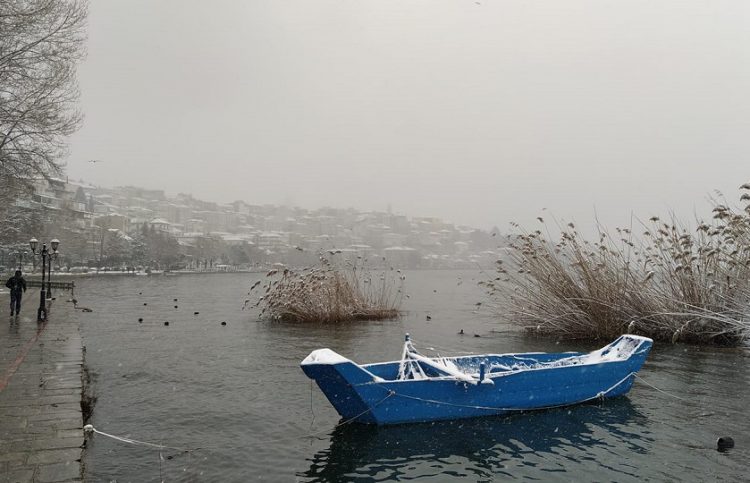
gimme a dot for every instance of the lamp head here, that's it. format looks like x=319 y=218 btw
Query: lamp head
x=54 y=244
x=33 y=243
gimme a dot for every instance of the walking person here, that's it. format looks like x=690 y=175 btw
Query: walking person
x=17 y=286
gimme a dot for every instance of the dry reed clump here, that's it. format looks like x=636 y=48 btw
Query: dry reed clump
x=670 y=283
x=331 y=293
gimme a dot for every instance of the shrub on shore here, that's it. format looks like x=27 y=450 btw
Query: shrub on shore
x=331 y=293
x=669 y=282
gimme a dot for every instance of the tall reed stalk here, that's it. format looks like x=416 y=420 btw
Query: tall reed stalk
x=669 y=281
x=331 y=292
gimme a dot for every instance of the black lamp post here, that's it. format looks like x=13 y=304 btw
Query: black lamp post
x=45 y=254
x=54 y=243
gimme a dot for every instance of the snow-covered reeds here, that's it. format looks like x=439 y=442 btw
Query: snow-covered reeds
x=662 y=279
x=331 y=292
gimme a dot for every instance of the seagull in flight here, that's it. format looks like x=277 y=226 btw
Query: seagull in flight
x=94 y=161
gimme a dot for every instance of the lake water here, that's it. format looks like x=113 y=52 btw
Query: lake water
x=237 y=392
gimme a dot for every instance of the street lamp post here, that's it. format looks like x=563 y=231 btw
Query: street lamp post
x=45 y=254
x=54 y=243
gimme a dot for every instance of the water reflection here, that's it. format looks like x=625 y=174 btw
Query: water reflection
x=14 y=325
x=482 y=447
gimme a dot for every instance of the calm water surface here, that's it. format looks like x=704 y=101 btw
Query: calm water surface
x=237 y=392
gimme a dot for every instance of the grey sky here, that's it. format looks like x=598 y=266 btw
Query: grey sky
x=481 y=113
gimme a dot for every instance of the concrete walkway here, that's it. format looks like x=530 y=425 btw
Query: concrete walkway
x=41 y=369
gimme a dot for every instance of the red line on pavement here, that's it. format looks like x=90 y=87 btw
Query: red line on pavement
x=21 y=356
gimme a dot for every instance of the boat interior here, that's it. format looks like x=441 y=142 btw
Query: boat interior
x=415 y=366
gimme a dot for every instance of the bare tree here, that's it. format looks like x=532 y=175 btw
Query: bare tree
x=41 y=42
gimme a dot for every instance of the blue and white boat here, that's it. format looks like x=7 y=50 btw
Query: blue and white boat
x=419 y=388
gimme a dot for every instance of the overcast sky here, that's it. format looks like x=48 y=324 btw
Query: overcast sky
x=480 y=112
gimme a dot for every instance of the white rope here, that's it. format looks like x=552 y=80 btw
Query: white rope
x=390 y=393
x=91 y=429
x=489 y=408
x=660 y=390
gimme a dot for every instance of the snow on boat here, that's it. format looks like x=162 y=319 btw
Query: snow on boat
x=419 y=388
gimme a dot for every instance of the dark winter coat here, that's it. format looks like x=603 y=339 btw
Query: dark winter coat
x=16 y=284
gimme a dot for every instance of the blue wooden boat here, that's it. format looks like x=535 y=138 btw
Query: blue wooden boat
x=419 y=388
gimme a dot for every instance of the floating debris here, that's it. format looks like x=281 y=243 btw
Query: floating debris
x=223 y=323
x=140 y=319
x=196 y=313
x=166 y=323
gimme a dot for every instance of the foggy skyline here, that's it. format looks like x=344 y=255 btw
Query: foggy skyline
x=480 y=113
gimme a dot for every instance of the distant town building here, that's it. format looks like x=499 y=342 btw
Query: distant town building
x=267 y=232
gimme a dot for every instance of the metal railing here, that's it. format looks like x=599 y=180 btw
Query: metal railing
x=55 y=284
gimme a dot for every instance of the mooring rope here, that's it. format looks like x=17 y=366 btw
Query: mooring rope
x=312 y=410
x=660 y=390
x=91 y=429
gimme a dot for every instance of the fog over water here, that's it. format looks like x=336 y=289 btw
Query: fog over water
x=480 y=112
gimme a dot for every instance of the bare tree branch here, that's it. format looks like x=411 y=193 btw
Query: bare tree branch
x=41 y=41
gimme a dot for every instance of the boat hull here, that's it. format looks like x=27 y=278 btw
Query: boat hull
x=358 y=394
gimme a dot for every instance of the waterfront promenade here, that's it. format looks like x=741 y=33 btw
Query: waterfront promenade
x=41 y=385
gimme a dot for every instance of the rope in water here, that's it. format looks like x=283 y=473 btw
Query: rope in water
x=660 y=390
x=91 y=429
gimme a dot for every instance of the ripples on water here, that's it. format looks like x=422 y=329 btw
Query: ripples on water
x=482 y=448
x=238 y=393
